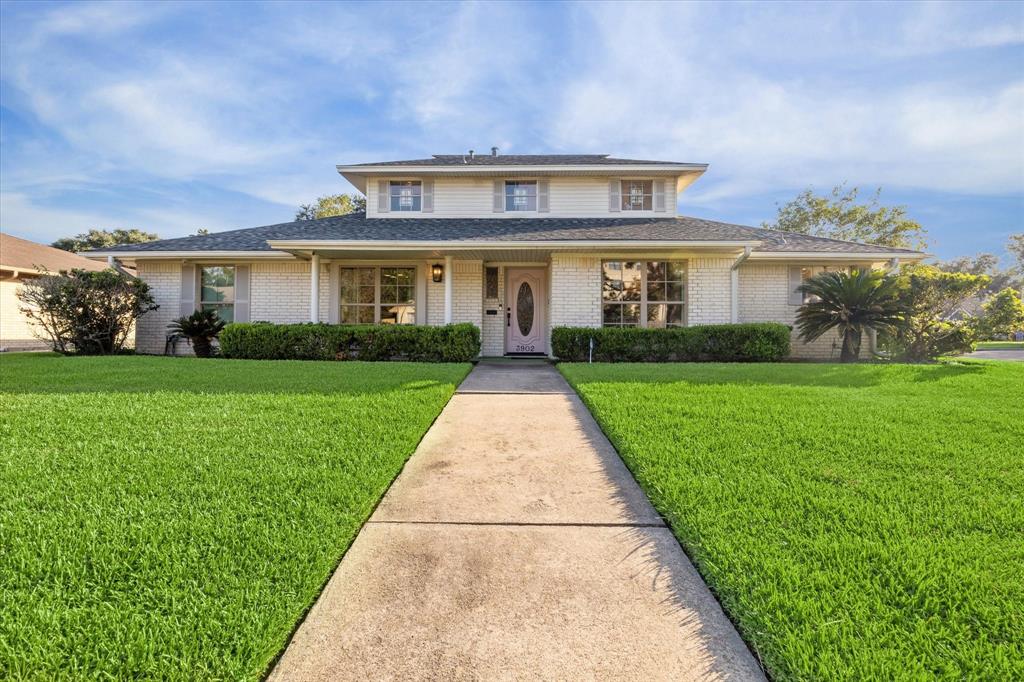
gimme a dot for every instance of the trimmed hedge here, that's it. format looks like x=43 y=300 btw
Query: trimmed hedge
x=754 y=342
x=309 y=341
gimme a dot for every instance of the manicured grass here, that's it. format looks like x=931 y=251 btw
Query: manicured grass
x=857 y=522
x=174 y=518
x=1000 y=345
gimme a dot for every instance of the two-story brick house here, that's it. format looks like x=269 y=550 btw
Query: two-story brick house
x=515 y=244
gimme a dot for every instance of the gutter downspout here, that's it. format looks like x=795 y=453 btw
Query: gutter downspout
x=734 y=285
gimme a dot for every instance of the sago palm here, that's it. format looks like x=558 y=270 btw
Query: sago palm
x=851 y=303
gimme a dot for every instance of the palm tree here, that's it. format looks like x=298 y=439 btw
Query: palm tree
x=201 y=328
x=853 y=303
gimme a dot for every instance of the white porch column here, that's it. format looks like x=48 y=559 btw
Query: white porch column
x=314 y=288
x=449 y=276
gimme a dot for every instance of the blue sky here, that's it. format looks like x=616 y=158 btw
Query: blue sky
x=172 y=117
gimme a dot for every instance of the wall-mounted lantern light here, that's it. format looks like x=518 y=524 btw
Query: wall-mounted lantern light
x=437 y=272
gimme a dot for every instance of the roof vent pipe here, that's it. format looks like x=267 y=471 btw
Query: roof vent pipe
x=471 y=152
x=494 y=151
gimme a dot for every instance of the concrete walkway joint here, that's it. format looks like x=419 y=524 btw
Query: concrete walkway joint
x=516 y=545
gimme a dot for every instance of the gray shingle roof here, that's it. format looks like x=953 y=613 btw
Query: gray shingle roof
x=523 y=160
x=356 y=227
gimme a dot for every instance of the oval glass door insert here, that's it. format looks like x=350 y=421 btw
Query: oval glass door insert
x=524 y=309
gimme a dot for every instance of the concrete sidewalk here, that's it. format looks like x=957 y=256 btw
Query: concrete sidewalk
x=516 y=545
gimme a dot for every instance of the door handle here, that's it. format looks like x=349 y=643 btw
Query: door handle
x=508 y=317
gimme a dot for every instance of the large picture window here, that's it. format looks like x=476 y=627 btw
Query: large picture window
x=520 y=195
x=637 y=195
x=406 y=195
x=378 y=295
x=643 y=293
x=217 y=290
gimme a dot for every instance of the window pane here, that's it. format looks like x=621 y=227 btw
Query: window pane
x=366 y=294
x=611 y=314
x=656 y=315
x=403 y=276
x=675 y=315
x=675 y=291
x=631 y=282
x=656 y=271
x=365 y=276
x=349 y=314
x=398 y=314
x=218 y=283
x=631 y=314
x=676 y=271
x=491 y=283
x=520 y=195
x=365 y=314
x=387 y=276
x=637 y=195
x=224 y=312
x=656 y=291
x=389 y=294
x=611 y=281
x=406 y=294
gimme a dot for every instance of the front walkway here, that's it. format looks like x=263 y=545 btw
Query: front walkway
x=516 y=545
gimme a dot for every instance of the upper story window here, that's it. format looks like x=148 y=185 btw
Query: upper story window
x=637 y=195
x=520 y=195
x=217 y=290
x=406 y=195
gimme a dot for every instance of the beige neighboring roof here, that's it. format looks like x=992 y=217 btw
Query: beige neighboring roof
x=26 y=257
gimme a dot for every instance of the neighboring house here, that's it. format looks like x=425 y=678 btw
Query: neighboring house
x=21 y=260
x=513 y=244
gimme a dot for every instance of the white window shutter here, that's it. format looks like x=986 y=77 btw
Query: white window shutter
x=427 y=205
x=543 y=203
x=499 y=196
x=189 y=278
x=383 y=196
x=795 y=280
x=614 y=197
x=659 y=196
x=241 y=293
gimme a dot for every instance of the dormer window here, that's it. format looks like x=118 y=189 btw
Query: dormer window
x=406 y=195
x=520 y=195
x=637 y=195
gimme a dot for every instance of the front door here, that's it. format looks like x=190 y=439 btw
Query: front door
x=524 y=311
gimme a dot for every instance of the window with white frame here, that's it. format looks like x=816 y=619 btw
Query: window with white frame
x=637 y=195
x=406 y=195
x=520 y=195
x=378 y=295
x=643 y=293
x=217 y=290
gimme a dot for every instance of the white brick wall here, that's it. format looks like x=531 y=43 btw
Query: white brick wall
x=709 y=297
x=279 y=292
x=764 y=297
x=164 y=280
x=467 y=294
x=575 y=297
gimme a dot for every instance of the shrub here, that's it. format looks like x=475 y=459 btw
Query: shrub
x=267 y=341
x=88 y=312
x=755 y=342
x=200 y=328
x=932 y=299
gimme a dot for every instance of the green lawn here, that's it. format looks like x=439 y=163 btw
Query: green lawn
x=857 y=522
x=174 y=518
x=1000 y=345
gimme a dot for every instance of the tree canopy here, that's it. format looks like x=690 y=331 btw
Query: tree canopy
x=102 y=239
x=839 y=216
x=331 y=205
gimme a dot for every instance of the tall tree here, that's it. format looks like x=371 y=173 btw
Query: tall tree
x=1003 y=314
x=839 y=216
x=102 y=239
x=331 y=205
x=1016 y=247
x=986 y=264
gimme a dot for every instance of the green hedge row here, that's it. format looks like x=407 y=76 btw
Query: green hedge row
x=267 y=341
x=755 y=342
